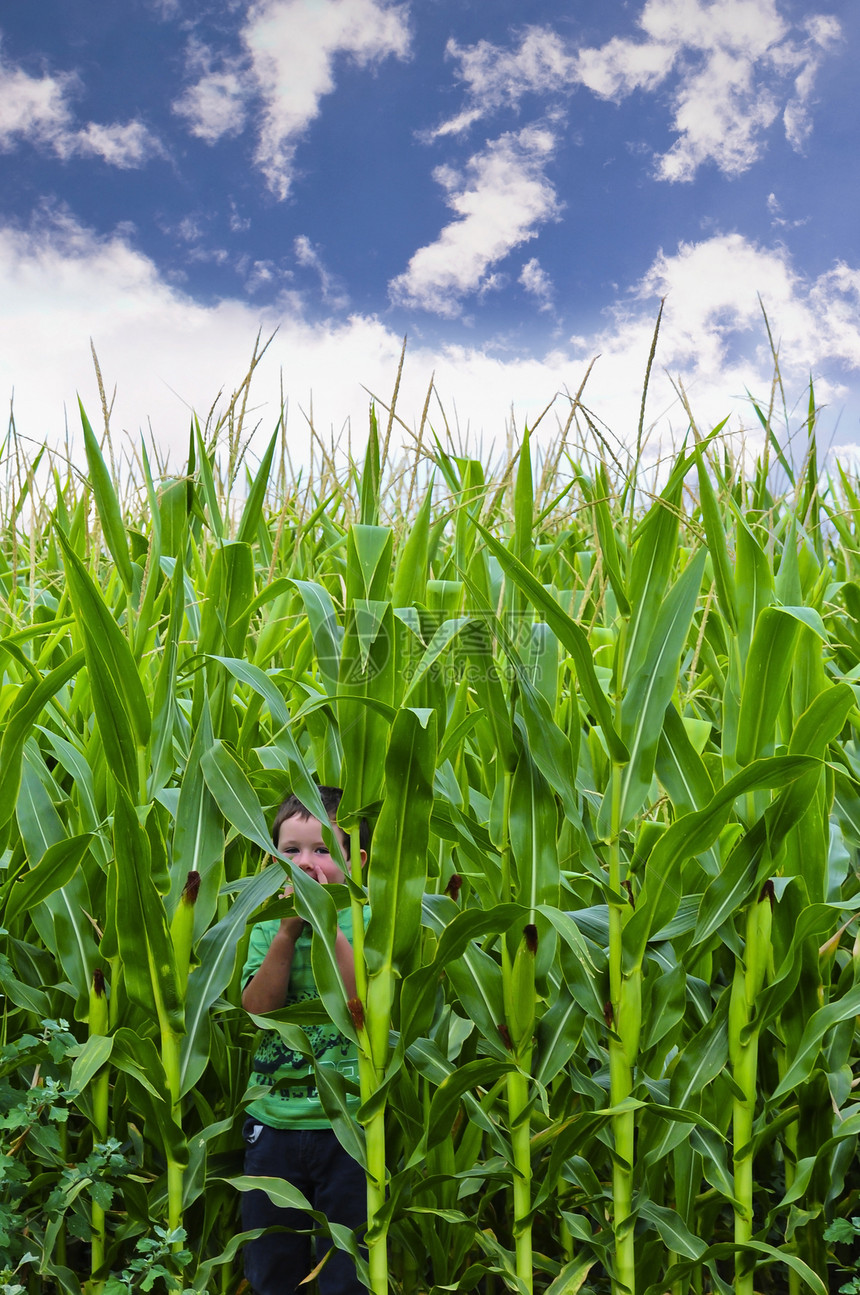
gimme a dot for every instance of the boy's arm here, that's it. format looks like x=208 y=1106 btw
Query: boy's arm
x=266 y=991
x=345 y=963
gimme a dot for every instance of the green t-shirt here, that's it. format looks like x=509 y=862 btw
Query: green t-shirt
x=295 y=1103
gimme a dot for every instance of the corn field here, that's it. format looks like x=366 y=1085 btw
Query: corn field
x=603 y=724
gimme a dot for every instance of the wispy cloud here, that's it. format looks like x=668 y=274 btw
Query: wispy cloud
x=128 y=146
x=308 y=256
x=215 y=104
x=500 y=200
x=32 y=108
x=713 y=336
x=37 y=110
x=537 y=283
x=495 y=77
x=729 y=68
x=777 y=219
x=287 y=63
x=60 y=284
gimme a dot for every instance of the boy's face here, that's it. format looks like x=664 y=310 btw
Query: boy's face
x=301 y=840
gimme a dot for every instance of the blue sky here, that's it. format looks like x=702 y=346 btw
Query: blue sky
x=514 y=188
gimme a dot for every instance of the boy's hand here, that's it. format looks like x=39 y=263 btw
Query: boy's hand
x=312 y=870
x=293 y=925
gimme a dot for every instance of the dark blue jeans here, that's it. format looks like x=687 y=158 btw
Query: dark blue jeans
x=313 y=1161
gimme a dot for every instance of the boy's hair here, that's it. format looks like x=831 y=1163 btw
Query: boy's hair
x=292 y=807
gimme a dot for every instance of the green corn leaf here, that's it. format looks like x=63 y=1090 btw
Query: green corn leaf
x=216 y=958
x=370 y=478
x=234 y=795
x=325 y=630
x=331 y=1087
x=810 y=1044
x=533 y=826
x=146 y=613
x=139 y=1058
x=766 y=676
x=477 y=982
x=449 y=1095
x=822 y=721
x=207 y=482
x=301 y=781
x=572 y=637
x=247 y=673
x=367 y=673
x=26 y=996
x=198 y=834
x=425 y=1055
x=442 y=639
x=703 y=1058
x=141 y=925
x=95 y=1052
x=572 y=1277
x=278 y=1190
x=490 y=693
x=651 y=564
x=576 y=962
x=368 y=563
x=689 y=836
x=253 y=511
x=39 y=822
x=671 y=1227
x=814 y=923
x=649 y=693
x=28 y=705
x=753 y=584
x=398 y=873
x=119 y=700
x=315 y=905
x=410 y=569
x=524 y=503
x=227 y=601
x=56 y=867
x=164 y=695
x=680 y=768
x=726 y=1250
x=711 y=1146
x=69 y=934
x=107 y=505
x=715 y=532
x=607 y=540
x=550 y=748
x=559 y=1031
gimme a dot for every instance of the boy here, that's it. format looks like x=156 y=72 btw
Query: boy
x=287 y=1134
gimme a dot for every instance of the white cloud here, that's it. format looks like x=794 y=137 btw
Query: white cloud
x=37 y=110
x=734 y=59
x=293 y=47
x=215 y=105
x=495 y=77
x=262 y=274
x=32 y=108
x=125 y=146
x=777 y=219
x=307 y=255
x=537 y=283
x=288 y=63
x=824 y=33
x=713 y=338
x=238 y=224
x=729 y=68
x=500 y=201
x=60 y=284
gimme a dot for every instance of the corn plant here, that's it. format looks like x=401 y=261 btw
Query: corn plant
x=605 y=733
